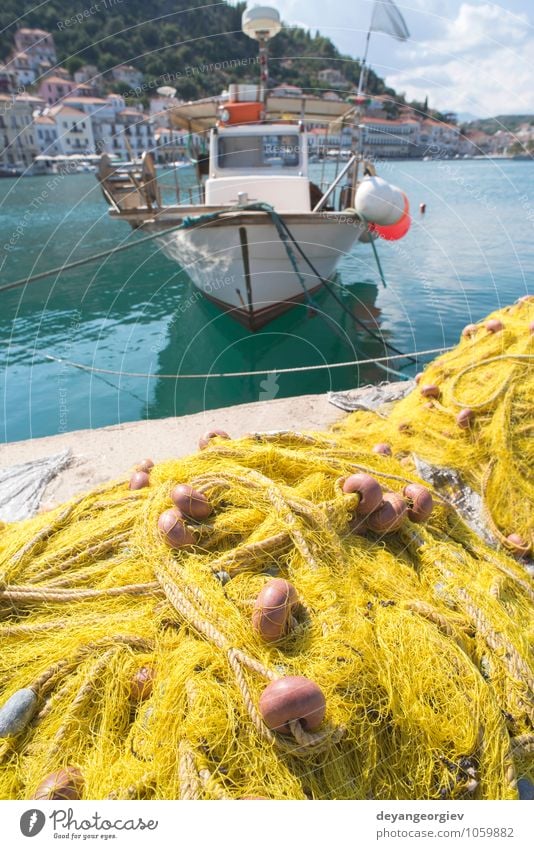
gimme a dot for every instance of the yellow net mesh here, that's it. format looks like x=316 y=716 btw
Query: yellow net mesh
x=420 y=640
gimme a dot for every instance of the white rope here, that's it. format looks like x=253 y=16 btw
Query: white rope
x=95 y=370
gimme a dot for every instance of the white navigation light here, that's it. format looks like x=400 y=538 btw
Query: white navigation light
x=261 y=23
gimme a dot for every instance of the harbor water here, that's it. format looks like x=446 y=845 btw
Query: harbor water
x=139 y=313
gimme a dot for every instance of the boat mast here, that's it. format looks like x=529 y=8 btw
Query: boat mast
x=363 y=69
x=262 y=23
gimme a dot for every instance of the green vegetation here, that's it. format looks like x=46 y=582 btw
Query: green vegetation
x=518 y=149
x=176 y=38
x=196 y=47
x=510 y=123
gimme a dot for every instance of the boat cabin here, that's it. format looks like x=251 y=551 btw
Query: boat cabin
x=259 y=163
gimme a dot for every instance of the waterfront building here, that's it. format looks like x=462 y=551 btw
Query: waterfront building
x=474 y=143
x=320 y=140
x=74 y=129
x=159 y=110
x=390 y=139
x=46 y=135
x=103 y=114
x=169 y=145
x=501 y=141
x=438 y=138
x=137 y=131
x=17 y=134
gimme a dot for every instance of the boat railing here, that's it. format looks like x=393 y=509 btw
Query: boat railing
x=335 y=183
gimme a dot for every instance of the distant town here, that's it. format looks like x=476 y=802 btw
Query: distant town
x=47 y=112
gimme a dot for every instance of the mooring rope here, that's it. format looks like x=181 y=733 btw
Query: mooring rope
x=320 y=366
x=193 y=221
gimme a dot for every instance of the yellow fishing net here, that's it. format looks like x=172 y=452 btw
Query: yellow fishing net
x=420 y=640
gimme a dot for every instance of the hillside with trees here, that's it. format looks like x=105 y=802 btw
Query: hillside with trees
x=509 y=123
x=182 y=39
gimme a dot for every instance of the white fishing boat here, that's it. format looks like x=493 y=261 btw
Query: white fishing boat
x=256 y=234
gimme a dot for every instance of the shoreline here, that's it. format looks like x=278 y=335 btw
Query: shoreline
x=106 y=453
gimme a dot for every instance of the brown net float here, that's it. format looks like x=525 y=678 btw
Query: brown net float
x=64 y=784
x=139 y=480
x=291 y=699
x=206 y=438
x=190 y=502
x=273 y=609
x=420 y=502
x=389 y=516
x=367 y=488
x=174 y=530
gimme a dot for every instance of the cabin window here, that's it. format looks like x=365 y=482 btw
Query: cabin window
x=260 y=151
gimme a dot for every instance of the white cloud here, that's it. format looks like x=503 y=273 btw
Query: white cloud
x=466 y=55
x=481 y=64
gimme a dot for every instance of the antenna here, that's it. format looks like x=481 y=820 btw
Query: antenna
x=166 y=91
x=262 y=23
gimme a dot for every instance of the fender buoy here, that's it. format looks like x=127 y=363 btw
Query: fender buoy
x=379 y=201
x=394 y=231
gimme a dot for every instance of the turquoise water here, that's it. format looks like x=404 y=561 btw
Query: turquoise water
x=469 y=254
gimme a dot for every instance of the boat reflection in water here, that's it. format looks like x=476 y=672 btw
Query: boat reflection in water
x=317 y=335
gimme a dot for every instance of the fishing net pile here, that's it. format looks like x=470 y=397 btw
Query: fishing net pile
x=395 y=664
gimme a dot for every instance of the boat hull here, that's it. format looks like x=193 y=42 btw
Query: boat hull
x=240 y=262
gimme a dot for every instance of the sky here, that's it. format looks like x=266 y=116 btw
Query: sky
x=473 y=57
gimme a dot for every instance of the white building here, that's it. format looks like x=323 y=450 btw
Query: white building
x=437 y=137
x=74 y=130
x=127 y=74
x=332 y=77
x=18 y=146
x=286 y=90
x=390 y=139
x=34 y=55
x=39 y=45
x=8 y=79
x=46 y=135
x=88 y=74
x=137 y=131
x=320 y=140
x=170 y=145
x=24 y=73
x=116 y=128
x=159 y=110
